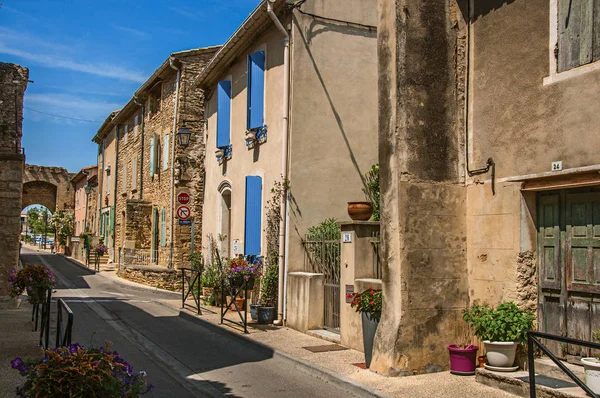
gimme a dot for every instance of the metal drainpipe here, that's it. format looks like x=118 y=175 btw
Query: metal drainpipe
x=175 y=106
x=141 y=171
x=284 y=161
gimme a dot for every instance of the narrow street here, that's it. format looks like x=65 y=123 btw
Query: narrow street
x=183 y=356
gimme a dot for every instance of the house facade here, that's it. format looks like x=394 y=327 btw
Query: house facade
x=292 y=96
x=490 y=183
x=106 y=138
x=151 y=168
x=84 y=184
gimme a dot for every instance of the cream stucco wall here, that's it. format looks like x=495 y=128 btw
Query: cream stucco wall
x=106 y=186
x=263 y=160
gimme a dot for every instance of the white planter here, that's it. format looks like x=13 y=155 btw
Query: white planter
x=500 y=354
x=592 y=373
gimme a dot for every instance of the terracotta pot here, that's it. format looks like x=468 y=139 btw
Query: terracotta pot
x=481 y=360
x=240 y=304
x=360 y=211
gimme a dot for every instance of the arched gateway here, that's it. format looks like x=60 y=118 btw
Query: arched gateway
x=48 y=186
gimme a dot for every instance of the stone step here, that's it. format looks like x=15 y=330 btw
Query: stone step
x=545 y=366
x=517 y=383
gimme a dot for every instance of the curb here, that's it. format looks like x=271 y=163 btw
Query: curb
x=316 y=371
x=126 y=284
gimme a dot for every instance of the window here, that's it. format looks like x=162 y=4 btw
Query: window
x=154 y=144
x=166 y=153
x=578 y=33
x=163 y=227
x=155 y=99
x=223 y=113
x=124 y=179
x=134 y=174
x=108 y=182
x=135 y=125
x=256 y=90
x=252 y=230
x=125 y=131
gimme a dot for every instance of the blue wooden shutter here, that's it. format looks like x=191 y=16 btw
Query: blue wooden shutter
x=223 y=113
x=152 y=143
x=252 y=230
x=163 y=227
x=256 y=89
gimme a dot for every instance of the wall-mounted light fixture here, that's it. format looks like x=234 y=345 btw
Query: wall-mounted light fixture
x=183 y=137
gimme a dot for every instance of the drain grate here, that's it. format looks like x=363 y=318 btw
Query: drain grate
x=325 y=348
x=549 y=381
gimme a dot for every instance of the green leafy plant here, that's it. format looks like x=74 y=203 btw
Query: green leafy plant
x=322 y=244
x=269 y=287
x=74 y=371
x=196 y=261
x=369 y=301
x=278 y=193
x=64 y=225
x=210 y=276
x=505 y=323
x=31 y=278
x=371 y=189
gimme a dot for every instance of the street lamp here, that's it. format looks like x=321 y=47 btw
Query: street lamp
x=183 y=137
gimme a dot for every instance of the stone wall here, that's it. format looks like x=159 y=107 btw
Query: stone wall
x=138 y=224
x=423 y=225
x=39 y=180
x=13 y=82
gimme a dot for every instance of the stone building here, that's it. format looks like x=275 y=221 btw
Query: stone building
x=291 y=94
x=13 y=82
x=150 y=168
x=84 y=190
x=489 y=170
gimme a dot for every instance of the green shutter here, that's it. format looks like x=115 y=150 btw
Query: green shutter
x=152 y=143
x=163 y=227
x=112 y=219
x=166 y=153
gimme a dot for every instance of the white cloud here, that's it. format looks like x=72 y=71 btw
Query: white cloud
x=56 y=61
x=68 y=106
x=138 y=33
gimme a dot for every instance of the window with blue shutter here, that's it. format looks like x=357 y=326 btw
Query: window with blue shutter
x=163 y=227
x=223 y=113
x=256 y=90
x=252 y=231
x=152 y=144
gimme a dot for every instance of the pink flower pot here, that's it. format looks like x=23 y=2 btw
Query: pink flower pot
x=462 y=360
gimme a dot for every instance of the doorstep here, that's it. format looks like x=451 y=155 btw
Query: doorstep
x=325 y=335
x=514 y=383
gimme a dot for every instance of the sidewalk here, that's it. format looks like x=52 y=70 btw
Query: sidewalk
x=332 y=366
x=16 y=340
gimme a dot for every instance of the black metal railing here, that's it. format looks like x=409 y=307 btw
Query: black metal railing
x=63 y=338
x=191 y=284
x=533 y=341
x=45 y=319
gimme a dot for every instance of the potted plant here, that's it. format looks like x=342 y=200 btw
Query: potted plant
x=463 y=355
x=591 y=366
x=34 y=279
x=101 y=250
x=268 y=295
x=210 y=279
x=368 y=303
x=501 y=329
x=371 y=189
x=74 y=371
x=240 y=269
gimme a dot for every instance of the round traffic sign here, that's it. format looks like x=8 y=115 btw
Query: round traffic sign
x=183 y=212
x=183 y=198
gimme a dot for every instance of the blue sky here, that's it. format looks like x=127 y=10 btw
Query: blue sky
x=87 y=57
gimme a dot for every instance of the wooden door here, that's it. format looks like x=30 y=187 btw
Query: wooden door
x=569 y=266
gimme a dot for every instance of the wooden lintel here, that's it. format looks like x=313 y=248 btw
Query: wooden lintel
x=562 y=182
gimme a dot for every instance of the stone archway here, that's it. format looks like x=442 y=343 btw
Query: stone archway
x=48 y=186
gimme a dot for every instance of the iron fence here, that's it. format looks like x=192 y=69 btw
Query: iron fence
x=63 y=338
x=323 y=256
x=191 y=284
x=144 y=257
x=376 y=265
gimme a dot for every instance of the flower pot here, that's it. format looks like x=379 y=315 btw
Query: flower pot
x=254 y=311
x=592 y=373
x=481 y=360
x=360 y=211
x=266 y=315
x=462 y=360
x=500 y=354
x=369 y=327
x=240 y=303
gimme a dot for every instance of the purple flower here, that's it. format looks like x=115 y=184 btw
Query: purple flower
x=30 y=279
x=29 y=288
x=16 y=363
x=13 y=271
x=11 y=278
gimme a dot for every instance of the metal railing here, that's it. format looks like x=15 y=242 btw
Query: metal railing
x=190 y=279
x=532 y=341
x=63 y=339
x=45 y=319
x=144 y=257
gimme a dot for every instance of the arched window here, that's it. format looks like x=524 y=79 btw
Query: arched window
x=224 y=224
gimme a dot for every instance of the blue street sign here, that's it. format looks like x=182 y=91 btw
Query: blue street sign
x=185 y=222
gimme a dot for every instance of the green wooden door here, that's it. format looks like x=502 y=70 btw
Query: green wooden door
x=569 y=266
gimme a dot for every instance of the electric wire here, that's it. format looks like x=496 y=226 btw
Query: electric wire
x=60 y=116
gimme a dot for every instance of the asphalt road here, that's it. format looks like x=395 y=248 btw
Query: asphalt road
x=182 y=355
